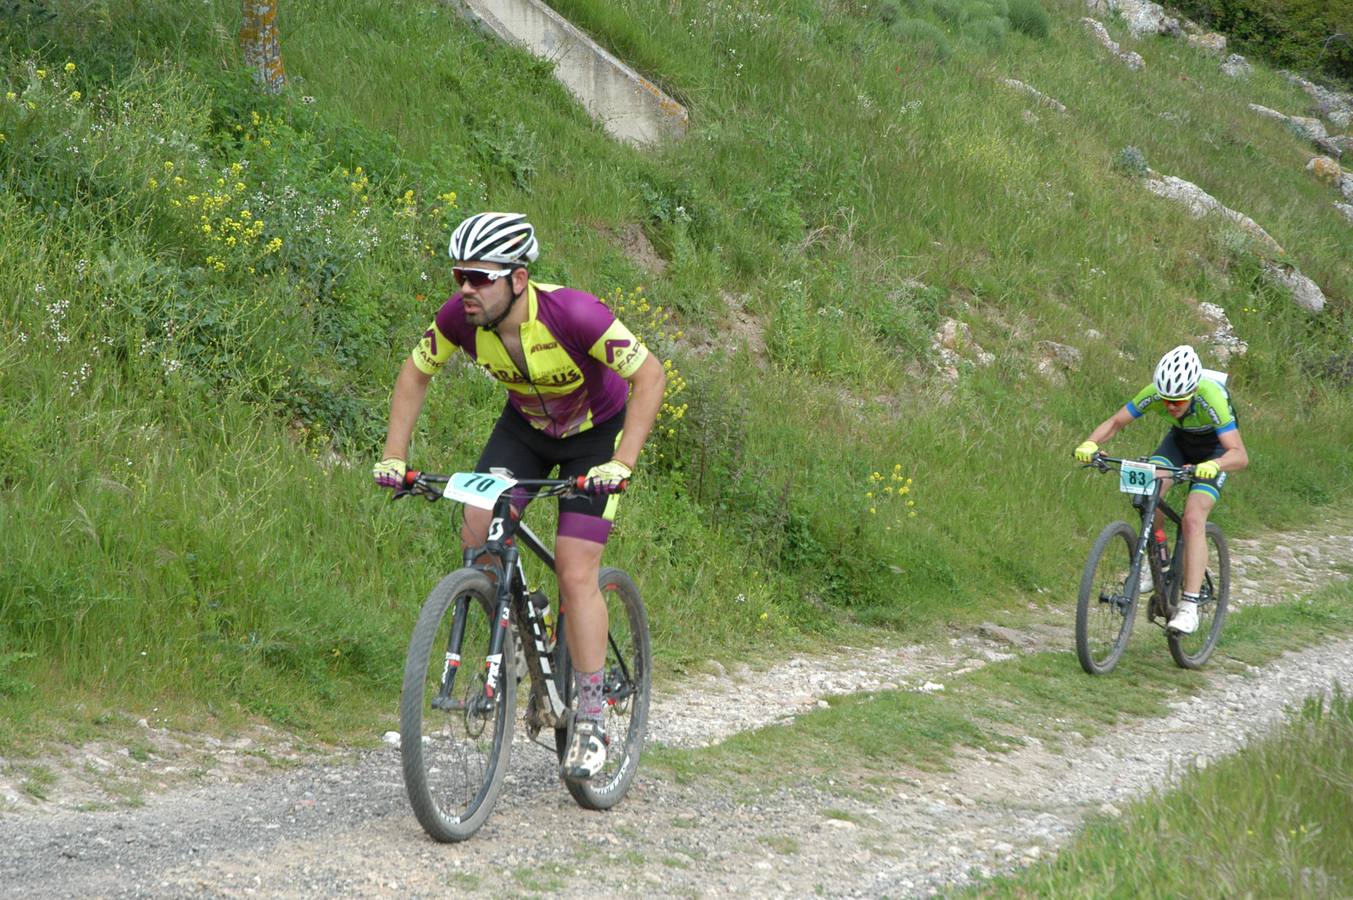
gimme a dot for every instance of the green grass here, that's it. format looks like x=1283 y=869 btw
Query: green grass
x=1044 y=695
x=1275 y=819
x=186 y=422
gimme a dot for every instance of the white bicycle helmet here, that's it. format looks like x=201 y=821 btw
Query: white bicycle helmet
x=1178 y=373
x=505 y=238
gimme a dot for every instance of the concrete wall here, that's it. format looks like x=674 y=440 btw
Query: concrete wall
x=630 y=107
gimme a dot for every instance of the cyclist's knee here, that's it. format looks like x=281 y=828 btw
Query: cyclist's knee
x=577 y=580
x=577 y=567
x=1194 y=521
x=474 y=528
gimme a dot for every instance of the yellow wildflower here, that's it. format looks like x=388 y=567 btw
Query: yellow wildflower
x=74 y=96
x=70 y=67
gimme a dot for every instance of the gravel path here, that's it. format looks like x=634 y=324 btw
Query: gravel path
x=343 y=827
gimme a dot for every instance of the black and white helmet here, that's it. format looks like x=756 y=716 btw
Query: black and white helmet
x=1178 y=372
x=505 y=238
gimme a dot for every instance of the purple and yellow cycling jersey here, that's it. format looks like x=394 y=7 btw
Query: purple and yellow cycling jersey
x=578 y=357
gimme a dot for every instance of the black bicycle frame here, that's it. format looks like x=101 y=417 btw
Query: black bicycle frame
x=503 y=565
x=1148 y=506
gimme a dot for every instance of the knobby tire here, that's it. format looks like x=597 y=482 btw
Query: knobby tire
x=1192 y=651
x=1104 y=628
x=455 y=760
x=628 y=688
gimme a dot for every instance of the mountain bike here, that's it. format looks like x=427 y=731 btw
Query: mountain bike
x=1112 y=580
x=456 y=722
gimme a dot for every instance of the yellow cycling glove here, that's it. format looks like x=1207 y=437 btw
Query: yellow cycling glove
x=608 y=477
x=389 y=472
x=1205 y=470
x=1086 y=451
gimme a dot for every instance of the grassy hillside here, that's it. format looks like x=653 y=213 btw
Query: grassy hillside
x=206 y=294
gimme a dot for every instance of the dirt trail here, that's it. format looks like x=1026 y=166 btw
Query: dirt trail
x=244 y=828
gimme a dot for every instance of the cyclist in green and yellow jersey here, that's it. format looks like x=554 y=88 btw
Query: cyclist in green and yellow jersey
x=1205 y=433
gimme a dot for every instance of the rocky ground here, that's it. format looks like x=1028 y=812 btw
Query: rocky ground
x=262 y=815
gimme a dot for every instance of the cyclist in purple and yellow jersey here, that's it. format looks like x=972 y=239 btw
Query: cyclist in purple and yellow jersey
x=582 y=394
x=1205 y=434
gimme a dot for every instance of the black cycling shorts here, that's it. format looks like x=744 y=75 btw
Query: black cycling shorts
x=527 y=452
x=1180 y=448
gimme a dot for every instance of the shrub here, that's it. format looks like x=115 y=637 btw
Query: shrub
x=924 y=36
x=1029 y=17
x=1311 y=35
x=1131 y=161
x=988 y=30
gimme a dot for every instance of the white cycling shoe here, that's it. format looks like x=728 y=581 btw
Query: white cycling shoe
x=586 y=754
x=1147 y=585
x=1185 y=620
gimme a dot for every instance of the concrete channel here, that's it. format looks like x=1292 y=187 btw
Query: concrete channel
x=630 y=107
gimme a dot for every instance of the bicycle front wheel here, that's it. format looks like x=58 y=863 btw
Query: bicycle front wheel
x=628 y=675
x=1107 y=603
x=455 y=735
x=1192 y=651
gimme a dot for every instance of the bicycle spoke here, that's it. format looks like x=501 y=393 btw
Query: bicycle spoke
x=1191 y=651
x=1107 y=603
x=455 y=738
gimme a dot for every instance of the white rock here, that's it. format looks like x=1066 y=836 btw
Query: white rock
x=1305 y=292
x=1212 y=42
x=1142 y=16
x=1236 y=66
x=391 y=738
x=1127 y=57
x=1200 y=203
x=1033 y=92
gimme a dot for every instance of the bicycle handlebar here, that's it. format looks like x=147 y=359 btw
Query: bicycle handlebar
x=1102 y=462
x=428 y=486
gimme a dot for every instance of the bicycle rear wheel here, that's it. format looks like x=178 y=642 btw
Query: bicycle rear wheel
x=1192 y=651
x=455 y=748
x=628 y=674
x=1107 y=604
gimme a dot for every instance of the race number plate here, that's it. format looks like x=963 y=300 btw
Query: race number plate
x=1136 y=478
x=476 y=488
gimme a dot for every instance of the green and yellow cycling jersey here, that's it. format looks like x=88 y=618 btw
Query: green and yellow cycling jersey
x=1209 y=413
